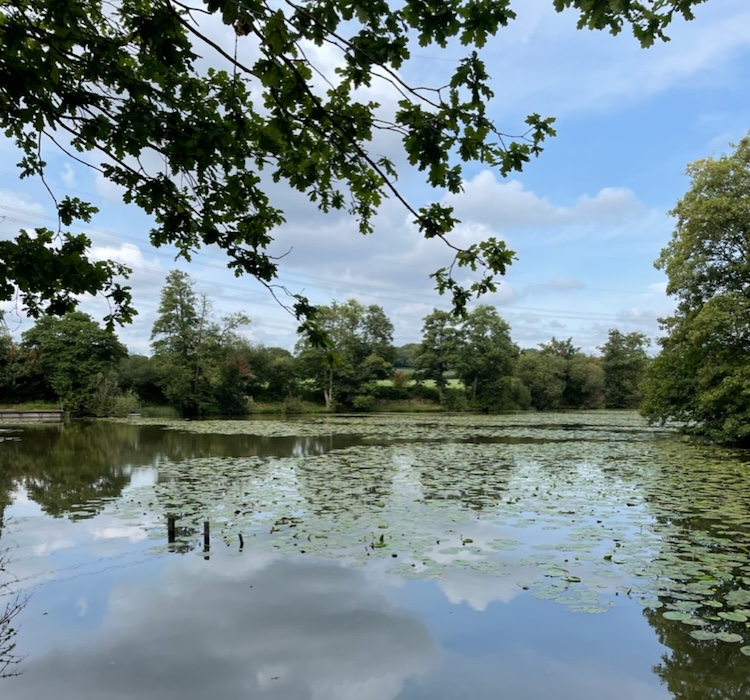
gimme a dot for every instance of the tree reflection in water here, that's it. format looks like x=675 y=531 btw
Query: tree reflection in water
x=700 y=670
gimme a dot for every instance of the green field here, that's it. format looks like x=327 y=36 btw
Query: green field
x=450 y=383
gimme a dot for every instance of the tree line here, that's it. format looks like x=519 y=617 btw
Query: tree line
x=202 y=364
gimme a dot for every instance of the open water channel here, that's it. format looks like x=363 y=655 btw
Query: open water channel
x=580 y=556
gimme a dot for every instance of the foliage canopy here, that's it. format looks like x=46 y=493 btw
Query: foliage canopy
x=360 y=350
x=158 y=97
x=624 y=361
x=199 y=361
x=702 y=376
x=75 y=355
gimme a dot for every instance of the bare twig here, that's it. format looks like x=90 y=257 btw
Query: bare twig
x=9 y=660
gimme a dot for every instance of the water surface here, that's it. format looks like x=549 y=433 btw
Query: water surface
x=576 y=556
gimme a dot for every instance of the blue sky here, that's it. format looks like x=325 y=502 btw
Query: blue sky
x=586 y=219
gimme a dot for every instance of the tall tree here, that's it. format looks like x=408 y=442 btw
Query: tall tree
x=20 y=378
x=437 y=352
x=585 y=382
x=75 y=354
x=360 y=349
x=281 y=379
x=582 y=377
x=195 y=355
x=178 y=326
x=485 y=355
x=560 y=348
x=560 y=354
x=139 y=374
x=176 y=343
x=624 y=361
x=702 y=375
x=134 y=85
x=544 y=375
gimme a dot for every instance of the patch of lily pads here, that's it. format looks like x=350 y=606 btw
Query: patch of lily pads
x=589 y=426
x=588 y=507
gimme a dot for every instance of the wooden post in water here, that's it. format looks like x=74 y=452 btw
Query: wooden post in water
x=171 y=529
x=206 y=538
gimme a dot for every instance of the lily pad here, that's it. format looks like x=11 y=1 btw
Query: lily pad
x=729 y=637
x=703 y=635
x=733 y=616
x=676 y=615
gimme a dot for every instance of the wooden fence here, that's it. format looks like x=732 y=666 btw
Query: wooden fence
x=42 y=416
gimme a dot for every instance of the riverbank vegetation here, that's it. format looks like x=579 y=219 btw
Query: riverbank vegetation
x=702 y=375
x=202 y=364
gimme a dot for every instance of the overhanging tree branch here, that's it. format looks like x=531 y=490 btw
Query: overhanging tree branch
x=123 y=78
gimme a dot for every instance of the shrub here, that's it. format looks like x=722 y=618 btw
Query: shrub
x=428 y=393
x=400 y=383
x=385 y=392
x=125 y=404
x=293 y=405
x=454 y=399
x=107 y=399
x=363 y=402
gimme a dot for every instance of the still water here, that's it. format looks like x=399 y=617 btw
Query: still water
x=575 y=557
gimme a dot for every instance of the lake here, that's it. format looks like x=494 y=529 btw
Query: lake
x=578 y=556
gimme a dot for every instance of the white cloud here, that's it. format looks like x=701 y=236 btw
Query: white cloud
x=116 y=532
x=106 y=189
x=303 y=629
x=126 y=253
x=68 y=175
x=565 y=72
x=479 y=590
x=507 y=206
x=398 y=257
x=82 y=606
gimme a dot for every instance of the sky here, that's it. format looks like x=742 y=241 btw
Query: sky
x=586 y=219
